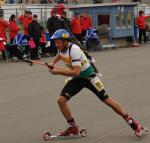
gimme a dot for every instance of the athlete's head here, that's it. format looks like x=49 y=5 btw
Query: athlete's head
x=61 y=38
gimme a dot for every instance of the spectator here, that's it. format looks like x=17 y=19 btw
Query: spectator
x=34 y=31
x=59 y=8
x=2 y=46
x=76 y=26
x=85 y=22
x=13 y=31
x=3 y=26
x=141 y=23
x=43 y=43
x=26 y=19
x=53 y=24
x=30 y=17
x=65 y=21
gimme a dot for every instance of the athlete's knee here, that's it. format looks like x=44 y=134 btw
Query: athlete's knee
x=61 y=100
x=102 y=95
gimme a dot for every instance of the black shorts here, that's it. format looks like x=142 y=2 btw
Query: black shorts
x=77 y=84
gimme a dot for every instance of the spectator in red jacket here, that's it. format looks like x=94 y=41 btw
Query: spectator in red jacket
x=3 y=25
x=141 y=23
x=2 y=40
x=85 y=22
x=13 y=28
x=76 y=26
x=30 y=17
x=25 y=19
x=13 y=31
x=59 y=8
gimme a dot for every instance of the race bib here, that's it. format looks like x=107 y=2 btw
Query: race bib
x=96 y=82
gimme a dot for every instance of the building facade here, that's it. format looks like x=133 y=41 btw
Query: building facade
x=80 y=1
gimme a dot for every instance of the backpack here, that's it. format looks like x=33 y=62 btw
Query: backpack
x=89 y=57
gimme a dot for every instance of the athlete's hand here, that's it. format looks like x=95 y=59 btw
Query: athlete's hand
x=51 y=65
x=55 y=71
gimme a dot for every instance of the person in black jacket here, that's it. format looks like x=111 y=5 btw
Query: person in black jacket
x=53 y=24
x=65 y=22
x=34 y=31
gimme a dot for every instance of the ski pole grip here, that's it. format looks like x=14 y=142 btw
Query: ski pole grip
x=51 y=67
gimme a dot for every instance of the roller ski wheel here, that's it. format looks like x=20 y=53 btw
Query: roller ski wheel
x=141 y=131
x=46 y=136
x=83 y=133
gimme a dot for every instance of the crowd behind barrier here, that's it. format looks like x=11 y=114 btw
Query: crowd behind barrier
x=31 y=39
x=18 y=34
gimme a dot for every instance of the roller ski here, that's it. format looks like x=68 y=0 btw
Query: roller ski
x=141 y=131
x=71 y=132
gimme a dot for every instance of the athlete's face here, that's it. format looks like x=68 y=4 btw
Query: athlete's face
x=60 y=44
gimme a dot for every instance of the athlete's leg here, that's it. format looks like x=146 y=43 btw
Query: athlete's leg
x=120 y=110
x=62 y=102
x=70 y=89
x=101 y=94
x=115 y=106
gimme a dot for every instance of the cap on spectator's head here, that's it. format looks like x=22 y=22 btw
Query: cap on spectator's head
x=35 y=16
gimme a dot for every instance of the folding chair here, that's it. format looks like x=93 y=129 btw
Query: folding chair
x=20 y=41
x=49 y=43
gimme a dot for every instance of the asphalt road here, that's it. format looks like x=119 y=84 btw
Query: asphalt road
x=28 y=98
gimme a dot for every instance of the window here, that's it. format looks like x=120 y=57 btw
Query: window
x=123 y=20
x=103 y=19
x=129 y=19
x=118 y=25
